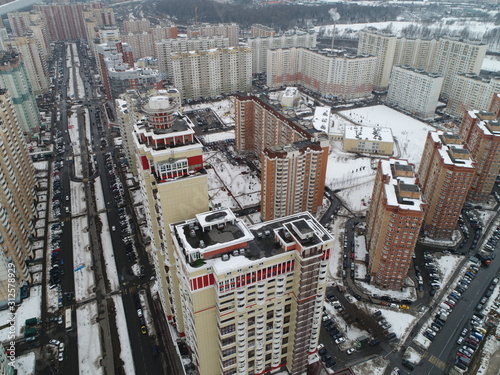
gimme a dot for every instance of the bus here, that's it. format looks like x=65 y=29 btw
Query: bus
x=69 y=323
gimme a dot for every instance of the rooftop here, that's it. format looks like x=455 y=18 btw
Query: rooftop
x=368 y=133
x=216 y=235
x=400 y=188
x=322 y=119
x=452 y=150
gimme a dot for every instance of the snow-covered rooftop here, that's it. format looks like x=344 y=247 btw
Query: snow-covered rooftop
x=322 y=119
x=452 y=151
x=401 y=189
x=368 y=133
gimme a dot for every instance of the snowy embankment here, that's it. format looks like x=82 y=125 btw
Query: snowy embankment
x=78 y=206
x=82 y=260
x=89 y=341
x=121 y=325
x=109 y=256
x=74 y=135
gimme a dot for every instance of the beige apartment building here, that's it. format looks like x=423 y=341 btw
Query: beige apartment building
x=227 y=30
x=393 y=223
x=165 y=48
x=340 y=75
x=260 y=45
x=252 y=295
x=212 y=72
x=480 y=131
x=172 y=181
x=368 y=139
x=445 y=173
x=471 y=92
x=415 y=91
x=17 y=198
x=35 y=63
x=446 y=56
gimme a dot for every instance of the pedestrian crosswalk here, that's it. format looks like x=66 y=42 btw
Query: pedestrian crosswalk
x=437 y=362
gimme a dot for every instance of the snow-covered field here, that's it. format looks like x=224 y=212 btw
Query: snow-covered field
x=89 y=341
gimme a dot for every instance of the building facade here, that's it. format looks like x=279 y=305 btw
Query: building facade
x=172 y=181
x=471 y=92
x=415 y=91
x=293 y=159
x=393 y=223
x=166 y=47
x=260 y=45
x=383 y=46
x=495 y=105
x=480 y=131
x=253 y=296
x=35 y=63
x=368 y=139
x=447 y=57
x=15 y=79
x=17 y=197
x=293 y=177
x=445 y=173
x=212 y=72
x=258 y=30
x=64 y=21
x=227 y=30
x=342 y=76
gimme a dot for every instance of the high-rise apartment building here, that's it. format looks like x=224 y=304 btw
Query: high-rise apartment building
x=212 y=72
x=113 y=59
x=454 y=57
x=340 y=75
x=383 y=46
x=19 y=23
x=228 y=30
x=260 y=46
x=165 y=48
x=15 y=79
x=293 y=159
x=252 y=296
x=34 y=61
x=64 y=21
x=293 y=177
x=415 y=91
x=480 y=131
x=136 y=26
x=258 y=30
x=393 y=223
x=172 y=180
x=445 y=56
x=17 y=197
x=445 y=173
x=495 y=105
x=471 y=92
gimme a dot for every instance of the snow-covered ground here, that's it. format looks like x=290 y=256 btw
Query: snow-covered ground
x=109 y=256
x=223 y=109
x=26 y=364
x=82 y=260
x=89 y=341
x=121 y=324
x=30 y=308
x=78 y=206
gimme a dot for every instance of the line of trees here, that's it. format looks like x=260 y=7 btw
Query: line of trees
x=279 y=16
